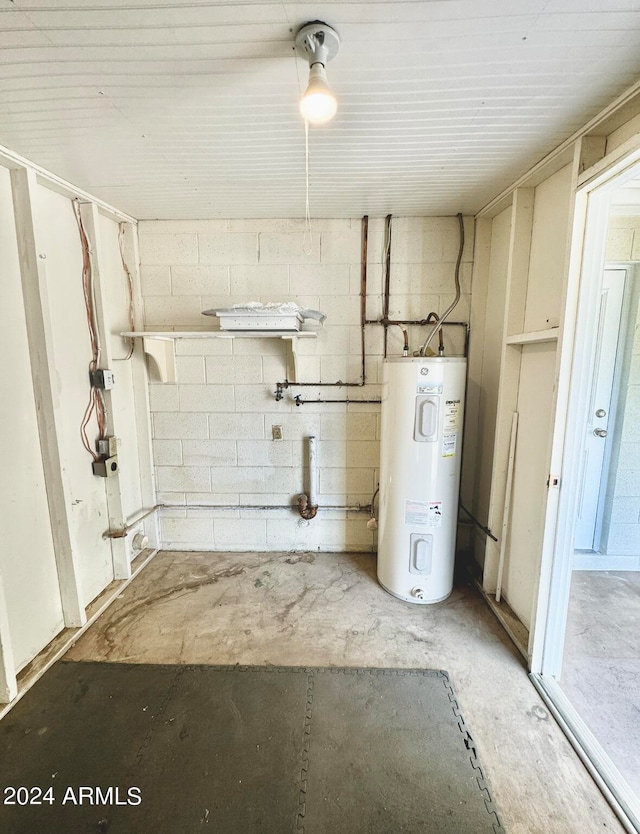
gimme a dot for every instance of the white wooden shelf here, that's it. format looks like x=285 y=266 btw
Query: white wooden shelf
x=159 y=344
x=535 y=336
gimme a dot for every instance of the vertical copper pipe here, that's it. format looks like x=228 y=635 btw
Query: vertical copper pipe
x=363 y=290
x=387 y=281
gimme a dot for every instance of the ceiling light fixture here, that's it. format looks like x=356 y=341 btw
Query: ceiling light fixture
x=318 y=43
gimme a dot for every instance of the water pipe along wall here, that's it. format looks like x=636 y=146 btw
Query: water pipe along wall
x=213 y=428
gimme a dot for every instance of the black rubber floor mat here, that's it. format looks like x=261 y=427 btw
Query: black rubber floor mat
x=131 y=749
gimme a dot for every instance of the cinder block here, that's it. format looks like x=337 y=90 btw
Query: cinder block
x=183 y=478
x=348 y=427
x=374 y=279
x=363 y=453
x=167 y=453
x=241 y=532
x=157 y=227
x=321 y=280
x=234 y=426
x=332 y=453
x=623 y=539
x=163 y=398
x=341 y=310
x=340 y=369
x=297 y=425
x=264 y=453
x=206 y=398
x=345 y=481
x=200 y=280
x=627 y=483
x=430 y=279
x=180 y=426
x=258 y=347
x=168 y=248
x=171 y=498
x=257 y=499
x=228 y=248
x=183 y=310
x=462 y=310
x=333 y=340
x=629 y=455
x=209 y=452
x=283 y=480
x=241 y=370
x=341 y=247
x=411 y=248
x=187 y=530
x=214 y=501
x=625 y=510
x=190 y=369
x=272 y=225
x=289 y=248
x=236 y=479
x=250 y=283
x=274 y=368
x=259 y=399
x=155 y=280
x=413 y=306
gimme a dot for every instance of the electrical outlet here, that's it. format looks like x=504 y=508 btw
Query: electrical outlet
x=102 y=378
x=105 y=467
x=276 y=432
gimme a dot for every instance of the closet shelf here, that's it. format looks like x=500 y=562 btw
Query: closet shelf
x=533 y=337
x=159 y=344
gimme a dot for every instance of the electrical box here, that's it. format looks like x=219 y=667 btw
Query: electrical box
x=102 y=379
x=107 y=447
x=106 y=467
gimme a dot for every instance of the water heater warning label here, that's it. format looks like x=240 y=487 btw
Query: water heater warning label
x=425 y=513
x=449 y=445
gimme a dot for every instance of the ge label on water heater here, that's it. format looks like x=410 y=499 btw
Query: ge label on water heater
x=424 y=513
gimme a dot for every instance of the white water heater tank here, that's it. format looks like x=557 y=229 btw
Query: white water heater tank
x=421 y=443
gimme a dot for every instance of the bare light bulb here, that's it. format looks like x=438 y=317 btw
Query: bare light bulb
x=318 y=105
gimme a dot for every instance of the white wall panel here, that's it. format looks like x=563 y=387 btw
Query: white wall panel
x=89 y=518
x=27 y=559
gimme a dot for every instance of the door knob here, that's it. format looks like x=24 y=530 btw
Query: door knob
x=601 y=413
x=600 y=432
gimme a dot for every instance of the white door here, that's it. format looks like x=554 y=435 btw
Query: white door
x=597 y=422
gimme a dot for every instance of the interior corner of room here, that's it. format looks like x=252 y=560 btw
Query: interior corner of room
x=259 y=487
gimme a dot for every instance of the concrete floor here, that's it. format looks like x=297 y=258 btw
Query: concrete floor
x=328 y=610
x=601 y=665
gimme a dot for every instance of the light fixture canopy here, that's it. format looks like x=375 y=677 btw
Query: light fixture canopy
x=318 y=43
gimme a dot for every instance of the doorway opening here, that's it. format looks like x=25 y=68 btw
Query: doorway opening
x=587 y=640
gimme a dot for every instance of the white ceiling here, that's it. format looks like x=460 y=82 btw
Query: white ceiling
x=186 y=108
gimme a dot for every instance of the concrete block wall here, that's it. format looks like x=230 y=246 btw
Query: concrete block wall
x=213 y=428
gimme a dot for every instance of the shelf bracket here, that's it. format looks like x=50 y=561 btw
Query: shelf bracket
x=162 y=354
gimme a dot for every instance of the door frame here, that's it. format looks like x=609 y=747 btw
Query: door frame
x=577 y=350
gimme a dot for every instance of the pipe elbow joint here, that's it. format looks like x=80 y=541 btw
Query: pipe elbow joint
x=306 y=510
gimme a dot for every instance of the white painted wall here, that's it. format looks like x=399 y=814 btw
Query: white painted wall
x=212 y=430
x=54 y=558
x=27 y=559
x=525 y=276
x=122 y=395
x=61 y=241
